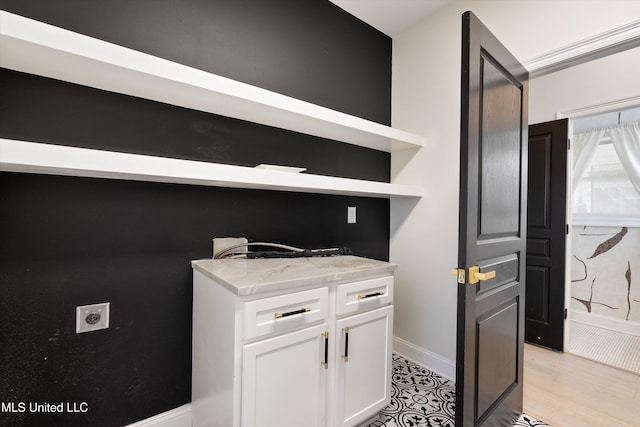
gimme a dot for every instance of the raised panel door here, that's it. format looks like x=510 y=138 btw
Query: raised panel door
x=546 y=234
x=492 y=232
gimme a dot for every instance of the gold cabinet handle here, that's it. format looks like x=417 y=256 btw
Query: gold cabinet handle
x=345 y=355
x=325 y=363
x=292 y=313
x=374 y=294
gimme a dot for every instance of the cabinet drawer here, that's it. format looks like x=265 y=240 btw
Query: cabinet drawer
x=364 y=295
x=285 y=312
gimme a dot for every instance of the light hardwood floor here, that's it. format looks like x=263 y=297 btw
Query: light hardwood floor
x=564 y=390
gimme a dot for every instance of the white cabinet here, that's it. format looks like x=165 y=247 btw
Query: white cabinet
x=283 y=379
x=364 y=330
x=283 y=383
x=361 y=389
x=317 y=354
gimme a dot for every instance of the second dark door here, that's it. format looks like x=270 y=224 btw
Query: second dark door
x=546 y=234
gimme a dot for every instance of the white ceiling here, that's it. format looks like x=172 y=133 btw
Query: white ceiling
x=391 y=16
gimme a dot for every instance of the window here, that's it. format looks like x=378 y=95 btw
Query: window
x=606 y=186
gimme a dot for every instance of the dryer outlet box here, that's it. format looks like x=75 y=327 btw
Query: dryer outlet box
x=222 y=243
x=92 y=317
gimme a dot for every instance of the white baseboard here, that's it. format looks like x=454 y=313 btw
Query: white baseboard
x=426 y=358
x=178 y=417
x=606 y=322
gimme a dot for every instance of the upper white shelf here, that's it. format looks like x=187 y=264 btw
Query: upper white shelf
x=31 y=157
x=37 y=48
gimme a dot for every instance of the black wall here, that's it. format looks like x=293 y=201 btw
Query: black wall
x=68 y=241
x=310 y=49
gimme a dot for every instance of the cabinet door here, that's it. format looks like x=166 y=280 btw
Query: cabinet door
x=363 y=365
x=283 y=380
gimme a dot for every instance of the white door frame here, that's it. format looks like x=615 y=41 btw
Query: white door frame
x=598 y=46
x=606 y=107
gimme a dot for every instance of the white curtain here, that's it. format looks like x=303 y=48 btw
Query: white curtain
x=626 y=141
x=584 y=147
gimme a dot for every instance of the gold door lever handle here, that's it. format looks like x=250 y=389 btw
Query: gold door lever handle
x=475 y=276
x=485 y=276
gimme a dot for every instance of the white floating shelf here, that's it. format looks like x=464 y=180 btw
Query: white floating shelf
x=37 y=48
x=31 y=157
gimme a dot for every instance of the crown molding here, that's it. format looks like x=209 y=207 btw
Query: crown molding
x=609 y=42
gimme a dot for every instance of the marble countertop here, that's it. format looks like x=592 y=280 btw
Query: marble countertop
x=251 y=276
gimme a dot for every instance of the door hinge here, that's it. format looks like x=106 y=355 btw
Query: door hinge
x=567 y=227
x=565 y=314
x=568 y=144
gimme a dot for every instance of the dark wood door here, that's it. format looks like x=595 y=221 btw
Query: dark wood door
x=493 y=197
x=546 y=234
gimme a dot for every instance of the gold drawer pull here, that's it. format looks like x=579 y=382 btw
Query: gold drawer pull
x=292 y=313
x=375 y=294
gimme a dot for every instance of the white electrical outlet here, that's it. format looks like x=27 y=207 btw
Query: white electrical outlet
x=351 y=215
x=92 y=317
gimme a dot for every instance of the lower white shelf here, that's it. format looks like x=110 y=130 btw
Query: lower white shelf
x=39 y=158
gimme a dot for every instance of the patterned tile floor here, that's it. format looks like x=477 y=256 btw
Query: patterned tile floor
x=421 y=398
